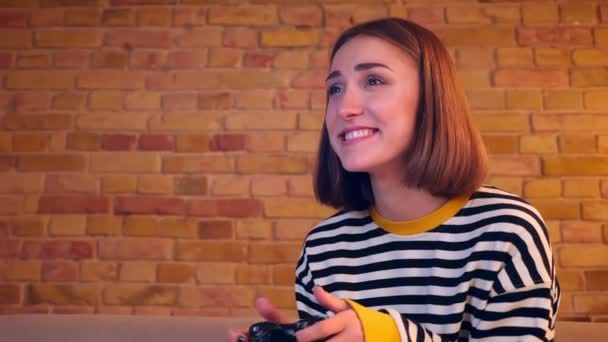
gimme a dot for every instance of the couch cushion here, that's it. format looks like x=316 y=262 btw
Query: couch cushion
x=581 y=332
x=106 y=328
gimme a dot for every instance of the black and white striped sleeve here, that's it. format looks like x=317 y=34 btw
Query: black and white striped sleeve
x=525 y=295
x=519 y=307
x=305 y=300
x=523 y=301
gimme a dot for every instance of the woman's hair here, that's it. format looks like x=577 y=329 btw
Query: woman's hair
x=446 y=156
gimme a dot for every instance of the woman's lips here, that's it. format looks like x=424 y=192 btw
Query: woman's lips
x=351 y=136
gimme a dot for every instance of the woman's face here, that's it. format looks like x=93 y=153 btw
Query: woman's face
x=373 y=92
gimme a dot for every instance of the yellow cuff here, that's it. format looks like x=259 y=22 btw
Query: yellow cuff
x=377 y=326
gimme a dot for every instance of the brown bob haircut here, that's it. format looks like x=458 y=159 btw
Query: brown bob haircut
x=446 y=156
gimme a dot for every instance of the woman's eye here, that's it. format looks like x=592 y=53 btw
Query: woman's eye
x=333 y=89
x=374 y=81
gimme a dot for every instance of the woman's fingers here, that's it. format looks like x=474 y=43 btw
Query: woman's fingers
x=329 y=301
x=268 y=311
x=330 y=326
x=343 y=327
x=234 y=334
x=321 y=330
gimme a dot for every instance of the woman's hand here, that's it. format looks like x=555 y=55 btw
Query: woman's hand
x=268 y=312
x=234 y=335
x=342 y=327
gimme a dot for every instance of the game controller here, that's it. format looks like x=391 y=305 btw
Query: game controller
x=275 y=332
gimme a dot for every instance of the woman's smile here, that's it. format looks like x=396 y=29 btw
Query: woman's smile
x=355 y=135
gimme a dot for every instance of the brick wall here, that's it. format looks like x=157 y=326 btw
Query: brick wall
x=155 y=155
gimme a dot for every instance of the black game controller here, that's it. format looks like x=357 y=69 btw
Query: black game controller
x=274 y=332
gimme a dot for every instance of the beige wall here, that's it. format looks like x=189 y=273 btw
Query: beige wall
x=155 y=155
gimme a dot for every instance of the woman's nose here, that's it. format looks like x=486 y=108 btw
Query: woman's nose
x=350 y=105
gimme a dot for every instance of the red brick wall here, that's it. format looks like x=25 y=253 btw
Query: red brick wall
x=155 y=155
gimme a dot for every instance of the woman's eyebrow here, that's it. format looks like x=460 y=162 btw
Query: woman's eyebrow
x=366 y=66
x=358 y=67
x=333 y=74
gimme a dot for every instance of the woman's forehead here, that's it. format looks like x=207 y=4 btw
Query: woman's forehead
x=368 y=49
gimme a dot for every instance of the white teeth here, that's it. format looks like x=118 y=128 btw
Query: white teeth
x=358 y=134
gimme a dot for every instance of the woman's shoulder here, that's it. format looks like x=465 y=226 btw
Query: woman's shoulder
x=489 y=206
x=340 y=222
x=515 y=224
x=488 y=198
x=496 y=193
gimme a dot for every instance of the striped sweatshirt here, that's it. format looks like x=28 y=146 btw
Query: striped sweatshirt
x=478 y=268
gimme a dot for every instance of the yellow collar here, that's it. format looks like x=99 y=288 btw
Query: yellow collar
x=424 y=223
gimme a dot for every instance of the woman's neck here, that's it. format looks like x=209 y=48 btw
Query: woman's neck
x=395 y=201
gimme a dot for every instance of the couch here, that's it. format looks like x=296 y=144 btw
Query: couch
x=108 y=328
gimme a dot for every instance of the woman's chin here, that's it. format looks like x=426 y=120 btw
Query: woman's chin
x=355 y=167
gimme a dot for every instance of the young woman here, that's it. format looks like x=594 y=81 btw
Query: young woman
x=420 y=250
